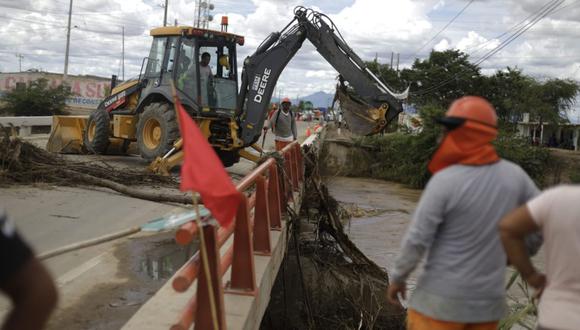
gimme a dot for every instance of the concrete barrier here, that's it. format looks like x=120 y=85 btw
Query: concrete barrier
x=25 y=124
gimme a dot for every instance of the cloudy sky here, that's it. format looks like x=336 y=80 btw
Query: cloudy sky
x=551 y=48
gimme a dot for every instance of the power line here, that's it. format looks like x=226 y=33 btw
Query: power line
x=512 y=28
x=521 y=31
x=119 y=21
x=540 y=14
x=444 y=28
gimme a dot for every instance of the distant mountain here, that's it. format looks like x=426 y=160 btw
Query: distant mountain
x=318 y=99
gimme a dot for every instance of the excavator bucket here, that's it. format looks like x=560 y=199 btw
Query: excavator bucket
x=66 y=135
x=362 y=118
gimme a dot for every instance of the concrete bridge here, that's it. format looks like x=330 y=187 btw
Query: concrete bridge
x=243 y=259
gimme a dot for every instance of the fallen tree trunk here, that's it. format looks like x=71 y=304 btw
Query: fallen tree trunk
x=24 y=163
x=129 y=191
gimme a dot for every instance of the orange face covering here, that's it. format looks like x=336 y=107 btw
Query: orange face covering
x=469 y=144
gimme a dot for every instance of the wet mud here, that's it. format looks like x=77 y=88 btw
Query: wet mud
x=145 y=264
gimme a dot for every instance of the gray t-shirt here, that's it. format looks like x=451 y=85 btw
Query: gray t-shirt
x=456 y=224
x=283 y=124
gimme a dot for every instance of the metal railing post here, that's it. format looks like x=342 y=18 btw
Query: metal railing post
x=295 y=179
x=243 y=274
x=274 y=198
x=288 y=180
x=262 y=244
x=204 y=315
x=300 y=162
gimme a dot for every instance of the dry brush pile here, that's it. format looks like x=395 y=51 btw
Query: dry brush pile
x=325 y=281
x=23 y=163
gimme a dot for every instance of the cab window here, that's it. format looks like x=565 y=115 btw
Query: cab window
x=186 y=68
x=155 y=60
x=218 y=85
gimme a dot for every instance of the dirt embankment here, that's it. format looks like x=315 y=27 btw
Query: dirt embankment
x=341 y=155
x=565 y=167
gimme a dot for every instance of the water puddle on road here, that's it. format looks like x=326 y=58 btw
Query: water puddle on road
x=160 y=260
x=144 y=263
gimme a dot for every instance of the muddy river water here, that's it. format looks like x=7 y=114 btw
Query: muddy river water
x=381 y=214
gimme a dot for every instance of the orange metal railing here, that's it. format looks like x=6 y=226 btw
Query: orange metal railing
x=260 y=212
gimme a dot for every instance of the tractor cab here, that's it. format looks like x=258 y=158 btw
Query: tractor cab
x=202 y=66
x=200 y=63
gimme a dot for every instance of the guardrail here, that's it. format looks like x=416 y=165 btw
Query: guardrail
x=260 y=212
x=25 y=124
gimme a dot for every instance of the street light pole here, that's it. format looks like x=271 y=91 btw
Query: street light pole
x=123 y=55
x=165 y=15
x=67 y=42
x=20 y=57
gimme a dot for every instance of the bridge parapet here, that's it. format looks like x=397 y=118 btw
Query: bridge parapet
x=243 y=258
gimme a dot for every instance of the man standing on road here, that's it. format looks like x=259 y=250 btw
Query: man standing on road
x=25 y=280
x=556 y=212
x=283 y=125
x=455 y=224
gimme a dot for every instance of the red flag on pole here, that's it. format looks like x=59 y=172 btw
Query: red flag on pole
x=202 y=171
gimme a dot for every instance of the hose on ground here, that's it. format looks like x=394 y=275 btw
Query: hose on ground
x=87 y=243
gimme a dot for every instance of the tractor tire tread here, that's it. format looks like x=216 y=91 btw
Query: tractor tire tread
x=100 y=141
x=165 y=114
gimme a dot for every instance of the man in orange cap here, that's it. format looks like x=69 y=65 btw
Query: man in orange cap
x=283 y=124
x=455 y=225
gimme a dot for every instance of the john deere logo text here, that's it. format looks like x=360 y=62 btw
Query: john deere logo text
x=262 y=86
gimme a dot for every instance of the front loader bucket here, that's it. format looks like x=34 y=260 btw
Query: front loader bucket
x=66 y=135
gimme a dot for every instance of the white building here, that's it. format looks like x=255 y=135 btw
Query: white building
x=88 y=91
x=565 y=136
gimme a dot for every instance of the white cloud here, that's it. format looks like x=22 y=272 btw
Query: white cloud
x=474 y=42
x=372 y=28
x=442 y=45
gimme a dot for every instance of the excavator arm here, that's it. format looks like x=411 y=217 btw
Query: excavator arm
x=370 y=108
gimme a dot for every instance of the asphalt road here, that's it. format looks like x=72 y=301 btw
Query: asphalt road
x=50 y=217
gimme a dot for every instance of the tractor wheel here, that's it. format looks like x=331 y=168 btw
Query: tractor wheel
x=157 y=129
x=96 y=135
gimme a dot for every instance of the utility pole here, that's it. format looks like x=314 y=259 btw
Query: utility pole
x=123 y=54
x=20 y=57
x=398 y=61
x=67 y=42
x=164 y=17
x=392 y=54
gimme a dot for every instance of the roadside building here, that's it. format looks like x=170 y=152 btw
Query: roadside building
x=563 y=136
x=89 y=90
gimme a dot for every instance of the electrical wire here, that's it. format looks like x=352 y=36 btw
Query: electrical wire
x=521 y=31
x=512 y=28
x=539 y=15
x=444 y=28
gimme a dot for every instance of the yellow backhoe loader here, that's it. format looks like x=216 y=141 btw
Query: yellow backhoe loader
x=202 y=65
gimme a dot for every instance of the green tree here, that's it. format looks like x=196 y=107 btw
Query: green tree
x=509 y=91
x=559 y=96
x=448 y=75
x=393 y=78
x=36 y=99
x=512 y=93
x=442 y=78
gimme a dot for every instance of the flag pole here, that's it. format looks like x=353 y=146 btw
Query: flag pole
x=203 y=249
x=206 y=264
